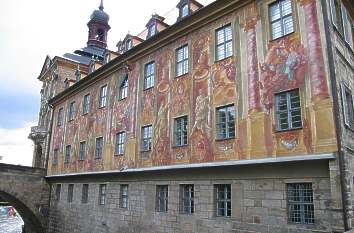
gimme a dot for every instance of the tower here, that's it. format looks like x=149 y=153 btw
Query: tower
x=98 y=28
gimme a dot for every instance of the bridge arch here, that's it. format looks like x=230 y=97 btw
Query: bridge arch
x=26 y=189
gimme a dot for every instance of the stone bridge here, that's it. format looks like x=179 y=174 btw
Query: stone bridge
x=26 y=189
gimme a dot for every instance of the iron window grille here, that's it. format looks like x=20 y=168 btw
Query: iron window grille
x=223 y=200
x=123 y=89
x=182 y=60
x=99 y=148
x=300 y=203
x=225 y=122
x=146 y=133
x=102 y=194
x=103 y=97
x=288 y=110
x=58 y=192
x=124 y=196
x=161 y=198
x=181 y=131
x=86 y=104
x=149 y=77
x=70 y=193
x=84 y=196
x=281 y=18
x=60 y=116
x=120 y=141
x=67 y=154
x=223 y=42
x=55 y=156
x=82 y=152
x=187 y=198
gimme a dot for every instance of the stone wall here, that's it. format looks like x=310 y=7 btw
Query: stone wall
x=259 y=202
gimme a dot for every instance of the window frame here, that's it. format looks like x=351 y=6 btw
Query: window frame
x=102 y=101
x=282 y=17
x=149 y=77
x=162 y=198
x=227 y=202
x=55 y=156
x=124 y=197
x=124 y=88
x=60 y=119
x=119 y=148
x=301 y=203
x=223 y=43
x=99 y=150
x=85 y=193
x=148 y=139
x=288 y=111
x=70 y=196
x=68 y=152
x=152 y=31
x=72 y=111
x=189 y=198
x=226 y=124
x=184 y=61
x=102 y=193
x=181 y=134
x=86 y=104
x=182 y=10
x=57 y=192
x=348 y=106
x=82 y=153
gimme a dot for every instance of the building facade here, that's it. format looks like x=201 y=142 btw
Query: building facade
x=236 y=118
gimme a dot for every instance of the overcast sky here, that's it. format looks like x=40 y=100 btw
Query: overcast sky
x=30 y=30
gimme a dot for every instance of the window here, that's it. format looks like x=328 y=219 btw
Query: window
x=82 y=152
x=60 y=116
x=129 y=44
x=152 y=30
x=124 y=196
x=146 y=133
x=149 y=76
x=181 y=131
x=225 y=122
x=123 y=88
x=55 y=156
x=161 y=198
x=185 y=10
x=70 y=192
x=72 y=111
x=187 y=198
x=84 y=196
x=86 y=104
x=57 y=192
x=182 y=61
x=223 y=200
x=120 y=141
x=281 y=19
x=103 y=97
x=300 y=203
x=342 y=20
x=102 y=194
x=348 y=106
x=223 y=42
x=99 y=148
x=92 y=66
x=288 y=110
x=107 y=58
x=67 y=154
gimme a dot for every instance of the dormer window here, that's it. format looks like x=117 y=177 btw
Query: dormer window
x=129 y=44
x=185 y=10
x=107 y=58
x=152 y=30
x=92 y=67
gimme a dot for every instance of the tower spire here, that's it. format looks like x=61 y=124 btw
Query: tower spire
x=101 y=6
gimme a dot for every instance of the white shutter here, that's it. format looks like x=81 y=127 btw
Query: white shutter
x=345 y=105
x=333 y=13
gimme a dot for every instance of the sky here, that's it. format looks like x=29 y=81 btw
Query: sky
x=31 y=30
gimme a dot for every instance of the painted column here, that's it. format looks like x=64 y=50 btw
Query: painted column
x=254 y=99
x=319 y=88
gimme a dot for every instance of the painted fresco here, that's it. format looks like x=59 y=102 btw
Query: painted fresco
x=294 y=61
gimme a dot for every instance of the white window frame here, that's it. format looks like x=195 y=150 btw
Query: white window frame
x=281 y=19
x=182 y=60
x=103 y=96
x=120 y=143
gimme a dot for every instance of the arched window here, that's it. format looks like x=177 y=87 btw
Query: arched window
x=99 y=35
x=123 y=89
x=107 y=58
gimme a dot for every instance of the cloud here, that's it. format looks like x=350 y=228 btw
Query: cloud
x=15 y=147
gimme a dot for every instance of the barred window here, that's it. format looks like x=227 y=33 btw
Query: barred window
x=123 y=89
x=57 y=192
x=60 y=116
x=146 y=135
x=67 y=154
x=99 y=148
x=55 y=156
x=162 y=198
x=84 y=196
x=223 y=42
x=288 y=110
x=182 y=60
x=281 y=18
x=70 y=193
x=102 y=194
x=181 y=131
x=103 y=97
x=124 y=196
x=300 y=203
x=86 y=104
x=223 y=200
x=187 y=198
x=149 y=77
x=120 y=141
x=82 y=152
x=225 y=122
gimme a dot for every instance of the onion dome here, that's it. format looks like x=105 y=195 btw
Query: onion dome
x=100 y=15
